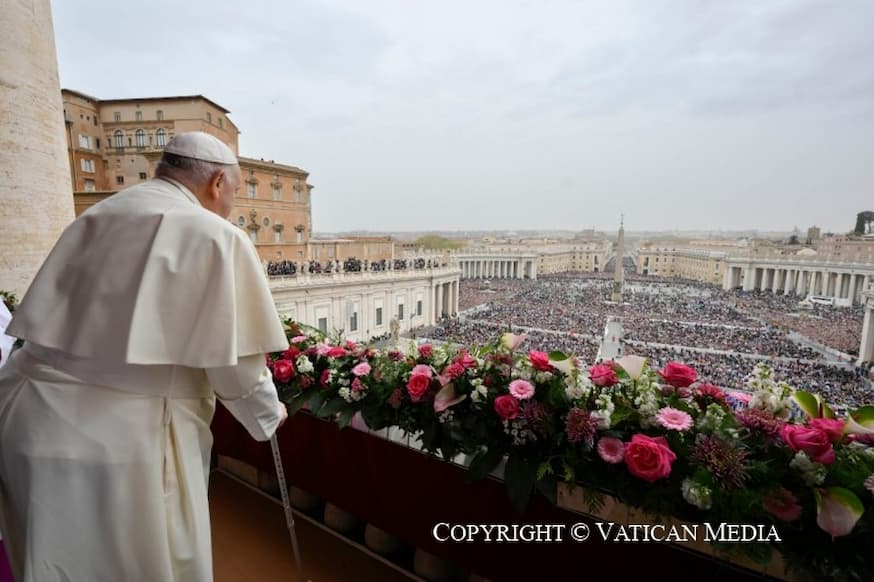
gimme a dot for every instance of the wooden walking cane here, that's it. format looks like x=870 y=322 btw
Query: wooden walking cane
x=286 y=504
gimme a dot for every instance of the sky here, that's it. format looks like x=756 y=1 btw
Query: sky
x=540 y=114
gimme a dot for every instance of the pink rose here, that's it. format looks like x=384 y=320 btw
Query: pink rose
x=465 y=359
x=539 y=360
x=336 y=352
x=362 y=369
x=350 y=345
x=833 y=427
x=283 y=370
x=357 y=386
x=454 y=370
x=298 y=339
x=678 y=375
x=783 y=505
x=813 y=441
x=521 y=390
x=612 y=450
x=422 y=370
x=396 y=398
x=649 y=458
x=507 y=407
x=323 y=349
x=603 y=375
x=417 y=386
x=426 y=350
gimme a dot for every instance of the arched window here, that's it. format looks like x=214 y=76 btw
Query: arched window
x=141 y=138
x=119 y=138
x=162 y=137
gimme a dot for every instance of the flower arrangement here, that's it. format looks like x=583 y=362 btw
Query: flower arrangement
x=659 y=440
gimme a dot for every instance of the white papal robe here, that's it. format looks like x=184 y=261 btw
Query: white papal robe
x=148 y=308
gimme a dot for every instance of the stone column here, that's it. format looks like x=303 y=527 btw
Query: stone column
x=787 y=282
x=866 y=347
x=851 y=291
x=749 y=279
x=35 y=189
x=439 y=300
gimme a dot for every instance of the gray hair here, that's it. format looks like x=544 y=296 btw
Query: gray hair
x=187 y=169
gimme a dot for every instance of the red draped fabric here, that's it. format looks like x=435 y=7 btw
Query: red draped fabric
x=5 y=570
x=406 y=493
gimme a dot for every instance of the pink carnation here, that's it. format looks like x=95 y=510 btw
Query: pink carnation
x=612 y=450
x=783 y=505
x=426 y=350
x=298 y=339
x=454 y=370
x=521 y=390
x=336 y=352
x=673 y=419
x=362 y=369
x=357 y=386
x=422 y=370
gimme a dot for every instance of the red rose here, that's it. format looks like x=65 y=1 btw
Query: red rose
x=283 y=370
x=417 y=386
x=833 y=427
x=678 y=375
x=813 y=441
x=539 y=361
x=603 y=375
x=395 y=355
x=454 y=370
x=649 y=458
x=336 y=352
x=711 y=392
x=507 y=407
x=426 y=350
x=291 y=353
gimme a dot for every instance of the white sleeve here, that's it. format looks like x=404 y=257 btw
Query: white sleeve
x=247 y=391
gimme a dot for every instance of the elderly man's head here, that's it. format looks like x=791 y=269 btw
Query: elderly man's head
x=204 y=165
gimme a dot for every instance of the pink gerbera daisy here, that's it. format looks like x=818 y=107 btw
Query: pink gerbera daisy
x=521 y=389
x=673 y=419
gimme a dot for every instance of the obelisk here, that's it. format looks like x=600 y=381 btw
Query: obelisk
x=618 y=271
x=36 y=195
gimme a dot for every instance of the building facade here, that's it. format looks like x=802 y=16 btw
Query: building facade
x=362 y=305
x=702 y=265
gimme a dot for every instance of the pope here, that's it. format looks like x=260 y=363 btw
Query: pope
x=149 y=308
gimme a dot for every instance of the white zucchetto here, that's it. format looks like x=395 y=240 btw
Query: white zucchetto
x=201 y=146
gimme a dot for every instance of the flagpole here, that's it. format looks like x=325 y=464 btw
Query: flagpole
x=286 y=504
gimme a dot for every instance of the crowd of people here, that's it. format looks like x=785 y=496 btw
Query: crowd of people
x=571 y=310
x=349 y=265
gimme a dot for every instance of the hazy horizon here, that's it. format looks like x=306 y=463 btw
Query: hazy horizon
x=547 y=115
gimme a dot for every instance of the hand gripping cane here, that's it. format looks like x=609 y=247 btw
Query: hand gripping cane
x=286 y=504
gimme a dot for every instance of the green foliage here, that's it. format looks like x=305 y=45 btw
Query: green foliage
x=438 y=243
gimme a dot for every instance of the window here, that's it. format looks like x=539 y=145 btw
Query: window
x=84 y=142
x=241 y=220
x=97 y=142
x=379 y=316
x=277 y=192
x=87 y=165
x=253 y=234
x=95 y=121
x=299 y=236
x=139 y=115
x=118 y=136
x=323 y=324
x=299 y=196
x=117 y=115
x=208 y=117
x=89 y=185
x=353 y=316
x=419 y=307
x=119 y=180
x=143 y=176
x=160 y=115
x=221 y=122
x=162 y=137
x=277 y=236
x=141 y=138
x=250 y=189
x=401 y=312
